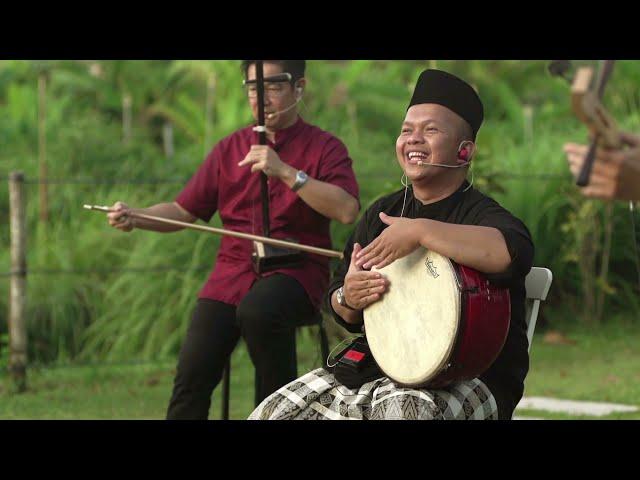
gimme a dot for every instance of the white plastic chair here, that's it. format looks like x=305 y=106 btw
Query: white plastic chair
x=537 y=284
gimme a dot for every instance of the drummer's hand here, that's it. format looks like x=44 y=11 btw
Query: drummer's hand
x=119 y=218
x=263 y=158
x=396 y=241
x=362 y=288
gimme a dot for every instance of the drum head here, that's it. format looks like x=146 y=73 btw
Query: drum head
x=412 y=330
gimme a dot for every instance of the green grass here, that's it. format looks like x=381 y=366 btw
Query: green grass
x=601 y=366
x=130 y=391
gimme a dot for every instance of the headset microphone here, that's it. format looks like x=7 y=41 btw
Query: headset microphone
x=463 y=154
x=298 y=100
x=423 y=164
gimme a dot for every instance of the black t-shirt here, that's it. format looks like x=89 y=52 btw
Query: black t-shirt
x=505 y=377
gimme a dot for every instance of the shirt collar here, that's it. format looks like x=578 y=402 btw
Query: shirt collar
x=286 y=134
x=441 y=208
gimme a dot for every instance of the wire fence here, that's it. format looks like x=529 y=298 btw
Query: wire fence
x=158 y=181
x=166 y=268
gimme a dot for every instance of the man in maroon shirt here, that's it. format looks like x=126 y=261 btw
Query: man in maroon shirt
x=310 y=183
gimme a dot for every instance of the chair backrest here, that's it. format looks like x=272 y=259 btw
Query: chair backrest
x=537 y=284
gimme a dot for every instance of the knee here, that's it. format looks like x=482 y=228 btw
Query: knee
x=194 y=370
x=256 y=320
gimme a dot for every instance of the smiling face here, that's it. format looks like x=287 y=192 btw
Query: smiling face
x=431 y=133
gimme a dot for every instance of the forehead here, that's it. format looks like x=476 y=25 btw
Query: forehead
x=425 y=112
x=268 y=69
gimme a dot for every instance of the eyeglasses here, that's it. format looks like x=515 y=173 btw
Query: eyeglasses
x=270 y=90
x=274 y=86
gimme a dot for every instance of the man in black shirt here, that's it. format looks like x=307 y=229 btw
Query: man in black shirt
x=440 y=211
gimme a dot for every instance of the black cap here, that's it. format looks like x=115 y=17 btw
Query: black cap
x=436 y=86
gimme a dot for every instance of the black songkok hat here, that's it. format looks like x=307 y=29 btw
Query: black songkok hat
x=436 y=86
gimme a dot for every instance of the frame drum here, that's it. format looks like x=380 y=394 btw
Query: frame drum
x=437 y=323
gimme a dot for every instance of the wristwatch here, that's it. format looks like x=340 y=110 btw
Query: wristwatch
x=341 y=300
x=301 y=179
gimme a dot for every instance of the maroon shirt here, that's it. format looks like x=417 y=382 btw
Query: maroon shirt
x=221 y=185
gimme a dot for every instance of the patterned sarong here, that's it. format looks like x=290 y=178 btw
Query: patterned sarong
x=317 y=396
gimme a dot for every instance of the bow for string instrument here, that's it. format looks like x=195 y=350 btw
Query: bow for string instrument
x=268 y=253
x=267 y=256
x=231 y=233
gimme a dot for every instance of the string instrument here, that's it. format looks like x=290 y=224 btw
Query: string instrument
x=268 y=256
x=586 y=104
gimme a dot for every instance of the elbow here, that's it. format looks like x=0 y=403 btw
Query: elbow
x=349 y=214
x=498 y=265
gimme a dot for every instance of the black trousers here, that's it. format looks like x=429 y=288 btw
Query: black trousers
x=266 y=318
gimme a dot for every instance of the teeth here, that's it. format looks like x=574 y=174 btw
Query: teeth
x=416 y=154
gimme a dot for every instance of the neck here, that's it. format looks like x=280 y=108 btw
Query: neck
x=271 y=132
x=428 y=191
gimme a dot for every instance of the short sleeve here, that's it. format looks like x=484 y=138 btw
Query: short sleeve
x=200 y=196
x=518 y=241
x=336 y=167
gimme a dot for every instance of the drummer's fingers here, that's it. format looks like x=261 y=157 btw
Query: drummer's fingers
x=361 y=292
x=368 y=249
x=375 y=260
x=354 y=253
x=365 y=257
x=369 y=299
x=385 y=261
x=362 y=275
x=369 y=283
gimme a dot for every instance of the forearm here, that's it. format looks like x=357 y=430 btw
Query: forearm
x=327 y=199
x=481 y=248
x=171 y=211
x=352 y=317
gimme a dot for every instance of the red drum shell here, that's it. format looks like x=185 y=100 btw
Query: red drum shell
x=483 y=329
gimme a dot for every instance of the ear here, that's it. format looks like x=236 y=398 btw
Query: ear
x=471 y=150
x=300 y=86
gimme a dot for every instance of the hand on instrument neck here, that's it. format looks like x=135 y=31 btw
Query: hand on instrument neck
x=263 y=158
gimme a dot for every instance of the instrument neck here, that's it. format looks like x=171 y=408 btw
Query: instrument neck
x=262 y=140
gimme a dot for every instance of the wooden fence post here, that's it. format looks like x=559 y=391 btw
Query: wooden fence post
x=127 y=102
x=42 y=146
x=167 y=137
x=17 y=296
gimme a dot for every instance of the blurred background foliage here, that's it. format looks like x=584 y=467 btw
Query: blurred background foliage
x=137 y=130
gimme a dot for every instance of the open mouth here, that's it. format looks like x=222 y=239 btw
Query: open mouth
x=416 y=158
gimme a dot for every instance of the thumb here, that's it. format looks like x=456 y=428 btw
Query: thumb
x=354 y=254
x=387 y=219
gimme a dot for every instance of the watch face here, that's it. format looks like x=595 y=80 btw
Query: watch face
x=340 y=296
